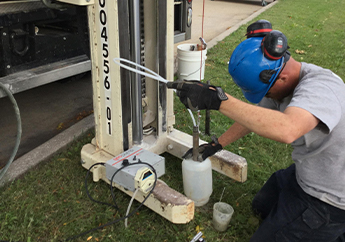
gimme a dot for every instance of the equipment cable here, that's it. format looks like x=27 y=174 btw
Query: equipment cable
x=113 y=197
x=202 y=34
x=87 y=190
x=19 y=130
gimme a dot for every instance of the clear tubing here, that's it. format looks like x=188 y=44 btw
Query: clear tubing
x=153 y=75
x=191 y=114
x=130 y=204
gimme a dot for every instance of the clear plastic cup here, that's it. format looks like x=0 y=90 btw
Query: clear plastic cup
x=222 y=213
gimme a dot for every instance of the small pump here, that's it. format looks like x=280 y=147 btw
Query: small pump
x=144 y=180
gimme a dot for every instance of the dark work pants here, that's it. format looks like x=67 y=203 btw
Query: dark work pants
x=292 y=215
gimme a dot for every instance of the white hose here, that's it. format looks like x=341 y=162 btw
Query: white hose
x=154 y=75
x=191 y=114
x=130 y=204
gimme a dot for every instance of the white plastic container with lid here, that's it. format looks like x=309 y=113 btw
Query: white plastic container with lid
x=191 y=63
x=197 y=180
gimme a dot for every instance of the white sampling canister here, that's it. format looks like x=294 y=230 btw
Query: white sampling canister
x=191 y=63
x=197 y=180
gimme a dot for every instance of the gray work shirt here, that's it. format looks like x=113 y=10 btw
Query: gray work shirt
x=320 y=154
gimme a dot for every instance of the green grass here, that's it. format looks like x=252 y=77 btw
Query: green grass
x=50 y=204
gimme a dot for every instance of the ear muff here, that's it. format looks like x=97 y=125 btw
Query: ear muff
x=265 y=75
x=274 y=45
x=259 y=28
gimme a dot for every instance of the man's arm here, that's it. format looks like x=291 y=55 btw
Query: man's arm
x=235 y=132
x=284 y=127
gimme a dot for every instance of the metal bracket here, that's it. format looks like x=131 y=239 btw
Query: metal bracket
x=19 y=34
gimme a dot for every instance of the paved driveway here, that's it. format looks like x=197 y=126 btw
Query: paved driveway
x=219 y=16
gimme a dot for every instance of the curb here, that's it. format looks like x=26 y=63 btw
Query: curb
x=48 y=149
x=61 y=141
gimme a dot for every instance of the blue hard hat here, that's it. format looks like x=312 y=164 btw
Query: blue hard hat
x=246 y=64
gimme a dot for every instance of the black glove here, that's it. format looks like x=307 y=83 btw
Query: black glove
x=196 y=95
x=205 y=150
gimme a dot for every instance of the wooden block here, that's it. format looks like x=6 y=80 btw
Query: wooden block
x=230 y=164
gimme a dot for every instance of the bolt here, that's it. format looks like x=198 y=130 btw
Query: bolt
x=4 y=34
x=170 y=147
x=8 y=66
x=82 y=162
x=125 y=162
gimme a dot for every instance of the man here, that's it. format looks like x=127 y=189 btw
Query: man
x=299 y=104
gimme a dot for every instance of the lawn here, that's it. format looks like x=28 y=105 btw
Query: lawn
x=50 y=204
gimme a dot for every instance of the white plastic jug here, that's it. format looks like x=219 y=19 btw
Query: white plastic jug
x=197 y=180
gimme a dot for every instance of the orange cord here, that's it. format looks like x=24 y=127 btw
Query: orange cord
x=202 y=34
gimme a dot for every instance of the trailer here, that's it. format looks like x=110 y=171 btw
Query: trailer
x=41 y=42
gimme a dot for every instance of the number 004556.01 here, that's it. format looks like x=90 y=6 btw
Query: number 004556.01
x=105 y=61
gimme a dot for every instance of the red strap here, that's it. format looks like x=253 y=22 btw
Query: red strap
x=270 y=56
x=259 y=31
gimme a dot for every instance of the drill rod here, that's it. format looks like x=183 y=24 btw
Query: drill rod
x=195 y=143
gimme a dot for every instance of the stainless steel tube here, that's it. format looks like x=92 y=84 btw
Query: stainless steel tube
x=137 y=116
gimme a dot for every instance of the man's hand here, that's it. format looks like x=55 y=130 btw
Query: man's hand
x=196 y=95
x=205 y=150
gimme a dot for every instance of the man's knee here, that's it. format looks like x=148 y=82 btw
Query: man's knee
x=266 y=197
